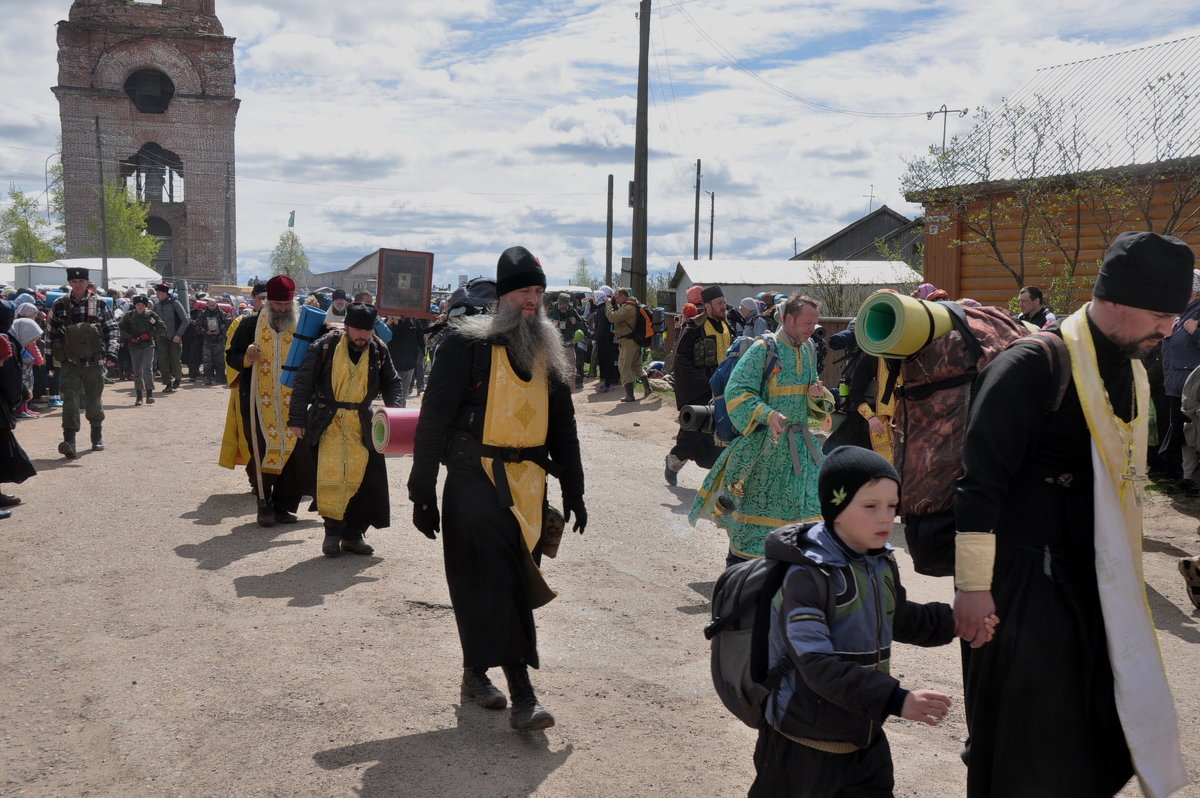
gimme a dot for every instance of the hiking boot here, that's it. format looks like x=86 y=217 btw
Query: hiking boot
x=477 y=687
x=329 y=546
x=138 y=402
x=67 y=447
x=629 y=397
x=356 y=545
x=266 y=514
x=175 y=384
x=149 y=397
x=1190 y=568
x=284 y=517
x=527 y=714
x=671 y=469
x=646 y=387
x=97 y=439
x=168 y=388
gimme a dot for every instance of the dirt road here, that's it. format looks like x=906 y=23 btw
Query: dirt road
x=156 y=641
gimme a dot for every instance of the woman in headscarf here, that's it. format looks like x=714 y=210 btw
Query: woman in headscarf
x=605 y=349
x=14 y=463
x=27 y=331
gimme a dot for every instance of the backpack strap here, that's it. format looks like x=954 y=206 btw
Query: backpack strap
x=1059 y=357
x=759 y=636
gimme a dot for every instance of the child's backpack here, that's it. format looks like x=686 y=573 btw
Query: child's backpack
x=739 y=634
x=643 y=326
x=723 y=428
x=933 y=403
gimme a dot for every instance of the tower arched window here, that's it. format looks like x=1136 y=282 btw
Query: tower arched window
x=150 y=90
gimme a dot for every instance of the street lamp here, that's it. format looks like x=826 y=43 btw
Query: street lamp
x=46 y=175
x=945 y=114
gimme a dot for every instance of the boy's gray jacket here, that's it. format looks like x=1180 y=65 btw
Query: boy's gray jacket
x=839 y=688
x=173 y=314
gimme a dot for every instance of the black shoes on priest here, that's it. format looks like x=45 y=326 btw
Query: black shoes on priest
x=526 y=715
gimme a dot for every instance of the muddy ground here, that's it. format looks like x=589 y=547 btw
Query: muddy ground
x=156 y=641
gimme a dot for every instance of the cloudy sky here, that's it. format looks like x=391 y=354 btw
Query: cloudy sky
x=462 y=127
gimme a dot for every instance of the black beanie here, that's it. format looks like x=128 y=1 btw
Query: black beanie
x=360 y=316
x=845 y=470
x=517 y=269
x=711 y=293
x=1148 y=271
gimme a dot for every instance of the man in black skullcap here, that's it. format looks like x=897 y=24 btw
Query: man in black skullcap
x=498 y=412
x=342 y=373
x=85 y=337
x=1049 y=540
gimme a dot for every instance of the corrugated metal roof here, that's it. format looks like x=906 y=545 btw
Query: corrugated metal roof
x=793 y=272
x=1129 y=108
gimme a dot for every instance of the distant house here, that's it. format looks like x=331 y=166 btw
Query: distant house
x=880 y=235
x=1078 y=154
x=839 y=284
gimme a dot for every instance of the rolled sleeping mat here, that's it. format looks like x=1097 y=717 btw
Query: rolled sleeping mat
x=51 y=296
x=897 y=326
x=393 y=429
x=308 y=329
x=382 y=330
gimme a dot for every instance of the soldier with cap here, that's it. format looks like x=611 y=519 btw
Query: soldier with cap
x=342 y=373
x=498 y=412
x=85 y=338
x=139 y=329
x=283 y=471
x=621 y=311
x=211 y=325
x=1049 y=520
x=169 y=347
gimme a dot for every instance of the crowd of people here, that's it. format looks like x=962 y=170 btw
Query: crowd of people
x=1032 y=609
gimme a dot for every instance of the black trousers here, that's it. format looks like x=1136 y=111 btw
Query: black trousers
x=788 y=768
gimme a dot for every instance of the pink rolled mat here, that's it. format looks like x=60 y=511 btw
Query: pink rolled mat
x=393 y=429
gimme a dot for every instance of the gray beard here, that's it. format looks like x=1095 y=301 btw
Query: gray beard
x=282 y=322
x=530 y=342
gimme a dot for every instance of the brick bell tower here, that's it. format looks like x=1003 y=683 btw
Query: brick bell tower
x=159 y=79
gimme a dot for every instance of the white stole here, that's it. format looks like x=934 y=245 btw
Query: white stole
x=1143 y=698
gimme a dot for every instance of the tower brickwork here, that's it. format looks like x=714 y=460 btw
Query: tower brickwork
x=160 y=79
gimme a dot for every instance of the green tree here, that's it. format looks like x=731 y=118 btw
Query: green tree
x=125 y=217
x=26 y=234
x=288 y=256
x=583 y=276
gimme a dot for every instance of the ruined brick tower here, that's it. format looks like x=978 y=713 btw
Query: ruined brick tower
x=160 y=78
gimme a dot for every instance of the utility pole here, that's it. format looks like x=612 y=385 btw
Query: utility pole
x=712 y=216
x=103 y=215
x=637 y=266
x=696 y=227
x=945 y=113
x=608 y=238
x=225 y=268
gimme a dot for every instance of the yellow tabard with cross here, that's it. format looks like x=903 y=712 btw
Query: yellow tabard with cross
x=342 y=458
x=273 y=399
x=517 y=415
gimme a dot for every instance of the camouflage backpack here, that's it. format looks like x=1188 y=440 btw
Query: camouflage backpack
x=933 y=401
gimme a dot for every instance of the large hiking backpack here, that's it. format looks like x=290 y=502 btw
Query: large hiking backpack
x=643 y=326
x=739 y=634
x=723 y=427
x=933 y=402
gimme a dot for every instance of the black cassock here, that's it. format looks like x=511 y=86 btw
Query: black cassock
x=1039 y=697
x=481 y=540
x=692 y=388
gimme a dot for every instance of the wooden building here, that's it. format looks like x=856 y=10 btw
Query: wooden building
x=1080 y=153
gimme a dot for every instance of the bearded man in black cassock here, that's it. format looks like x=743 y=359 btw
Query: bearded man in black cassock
x=343 y=372
x=497 y=411
x=1069 y=698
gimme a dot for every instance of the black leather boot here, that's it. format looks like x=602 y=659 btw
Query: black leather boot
x=352 y=541
x=138 y=402
x=477 y=687
x=646 y=387
x=97 y=439
x=266 y=513
x=527 y=714
x=67 y=447
x=629 y=397
x=331 y=545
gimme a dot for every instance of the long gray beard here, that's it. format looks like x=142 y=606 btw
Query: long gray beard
x=282 y=322
x=530 y=342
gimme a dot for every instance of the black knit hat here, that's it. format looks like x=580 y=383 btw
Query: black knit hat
x=338 y=293
x=1148 y=271
x=361 y=316
x=711 y=293
x=845 y=470
x=518 y=268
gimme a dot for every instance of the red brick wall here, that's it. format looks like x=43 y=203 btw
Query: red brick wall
x=102 y=43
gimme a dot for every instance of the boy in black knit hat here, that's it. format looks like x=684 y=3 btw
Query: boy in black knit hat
x=831 y=635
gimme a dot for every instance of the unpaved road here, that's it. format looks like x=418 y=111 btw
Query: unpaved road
x=157 y=642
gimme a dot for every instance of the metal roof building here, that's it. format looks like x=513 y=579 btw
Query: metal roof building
x=741 y=278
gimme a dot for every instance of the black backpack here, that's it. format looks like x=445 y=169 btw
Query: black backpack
x=739 y=633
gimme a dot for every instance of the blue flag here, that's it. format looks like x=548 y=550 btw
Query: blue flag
x=292 y=220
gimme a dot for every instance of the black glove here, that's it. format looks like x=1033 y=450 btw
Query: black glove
x=574 y=504
x=427 y=520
